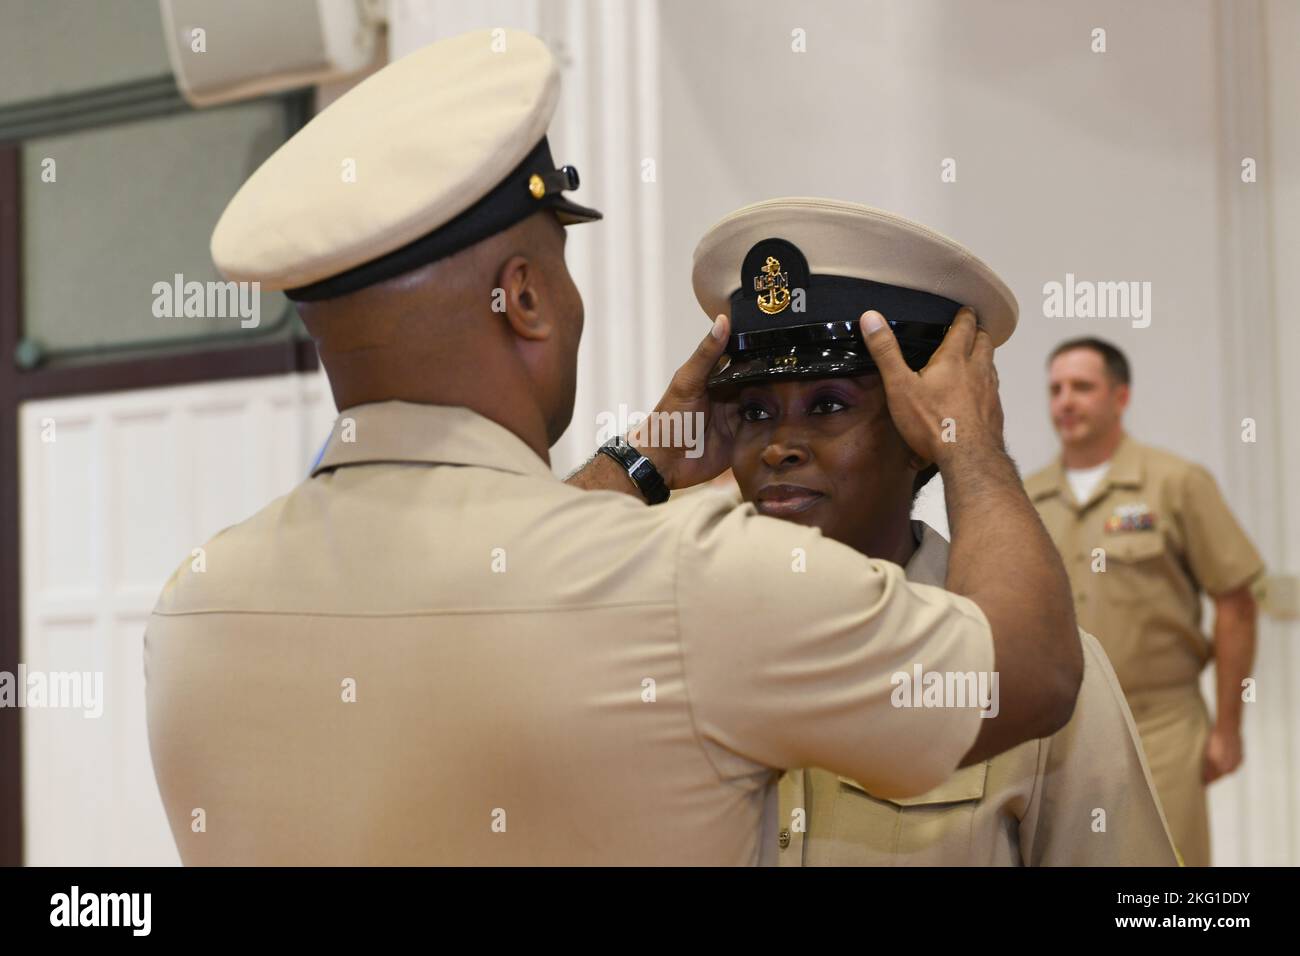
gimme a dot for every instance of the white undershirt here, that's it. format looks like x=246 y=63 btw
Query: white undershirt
x=1084 y=481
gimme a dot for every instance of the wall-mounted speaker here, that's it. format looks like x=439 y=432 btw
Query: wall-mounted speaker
x=225 y=50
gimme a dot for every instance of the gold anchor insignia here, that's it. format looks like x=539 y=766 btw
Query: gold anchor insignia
x=774 y=283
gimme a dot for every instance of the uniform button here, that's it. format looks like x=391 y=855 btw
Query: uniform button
x=784 y=837
x=1081 y=599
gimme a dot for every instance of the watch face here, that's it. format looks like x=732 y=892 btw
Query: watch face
x=643 y=470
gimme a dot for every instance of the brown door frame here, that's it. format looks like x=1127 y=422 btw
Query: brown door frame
x=11 y=756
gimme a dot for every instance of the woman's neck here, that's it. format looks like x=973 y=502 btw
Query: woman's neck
x=893 y=541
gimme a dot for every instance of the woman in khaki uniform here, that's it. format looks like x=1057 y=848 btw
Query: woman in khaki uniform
x=814 y=444
x=1080 y=797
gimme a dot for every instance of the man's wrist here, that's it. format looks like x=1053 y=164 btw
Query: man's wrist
x=1228 y=726
x=959 y=455
x=602 y=473
x=639 y=468
x=661 y=458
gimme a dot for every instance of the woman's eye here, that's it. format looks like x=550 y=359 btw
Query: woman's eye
x=825 y=406
x=752 y=413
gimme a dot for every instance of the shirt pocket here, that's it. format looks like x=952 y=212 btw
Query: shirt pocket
x=935 y=828
x=1135 y=567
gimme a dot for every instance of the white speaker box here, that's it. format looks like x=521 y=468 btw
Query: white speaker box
x=225 y=50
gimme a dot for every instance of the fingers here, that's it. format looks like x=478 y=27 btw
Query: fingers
x=960 y=339
x=721 y=327
x=693 y=376
x=883 y=347
x=981 y=354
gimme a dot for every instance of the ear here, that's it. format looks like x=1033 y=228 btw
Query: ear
x=519 y=291
x=1122 y=396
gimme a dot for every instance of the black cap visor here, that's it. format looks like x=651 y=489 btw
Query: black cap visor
x=571 y=214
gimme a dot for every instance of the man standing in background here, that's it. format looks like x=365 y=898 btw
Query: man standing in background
x=1143 y=534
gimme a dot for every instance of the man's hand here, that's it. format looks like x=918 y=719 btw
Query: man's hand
x=1000 y=557
x=688 y=437
x=1235 y=613
x=952 y=402
x=1222 y=754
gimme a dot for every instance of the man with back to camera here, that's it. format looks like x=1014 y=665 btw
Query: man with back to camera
x=433 y=651
x=1143 y=534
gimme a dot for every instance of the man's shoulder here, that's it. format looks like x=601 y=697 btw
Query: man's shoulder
x=420 y=544
x=212 y=571
x=1180 y=481
x=618 y=516
x=1161 y=460
x=1043 y=481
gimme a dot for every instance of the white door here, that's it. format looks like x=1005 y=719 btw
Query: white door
x=116 y=490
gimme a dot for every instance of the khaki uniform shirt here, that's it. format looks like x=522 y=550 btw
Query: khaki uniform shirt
x=1163 y=533
x=1151 y=537
x=1082 y=797
x=433 y=651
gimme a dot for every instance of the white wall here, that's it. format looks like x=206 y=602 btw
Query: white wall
x=1268 y=377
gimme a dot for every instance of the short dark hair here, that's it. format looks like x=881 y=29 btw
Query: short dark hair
x=1116 y=362
x=922 y=479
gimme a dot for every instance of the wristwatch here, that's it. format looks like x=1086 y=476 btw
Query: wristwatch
x=639 y=468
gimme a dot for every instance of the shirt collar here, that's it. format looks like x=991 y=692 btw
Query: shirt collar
x=1126 y=464
x=1125 y=470
x=929 y=562
x=433 y=434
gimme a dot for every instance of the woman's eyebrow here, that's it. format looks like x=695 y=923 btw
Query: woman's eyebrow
x=851 y=385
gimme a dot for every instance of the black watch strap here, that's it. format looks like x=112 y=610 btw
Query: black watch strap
x=639 y=468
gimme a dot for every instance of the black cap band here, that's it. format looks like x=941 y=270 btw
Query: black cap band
x=515 y=199
x=838 y=299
